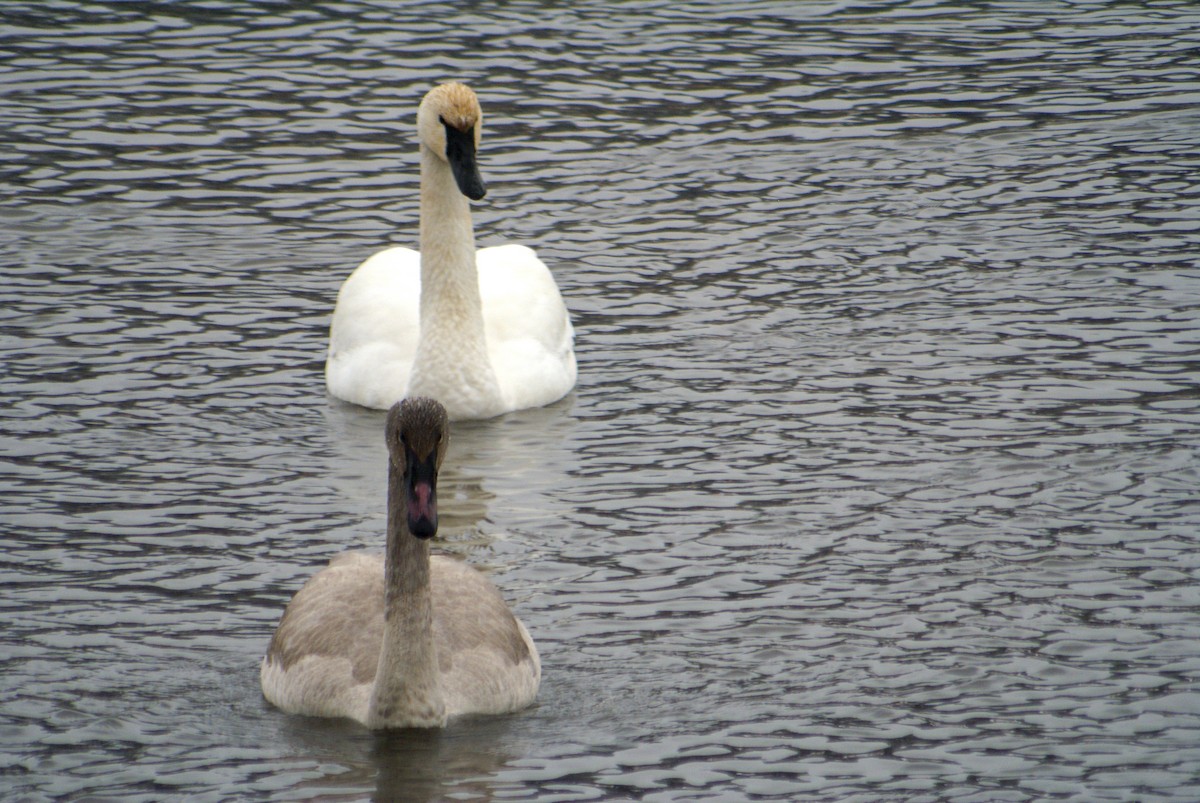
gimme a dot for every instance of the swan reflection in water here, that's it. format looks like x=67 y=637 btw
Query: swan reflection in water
x=409 y=765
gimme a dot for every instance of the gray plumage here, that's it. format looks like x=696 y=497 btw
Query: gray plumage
x=403 y=639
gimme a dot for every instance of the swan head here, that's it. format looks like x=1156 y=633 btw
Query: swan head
x=417 y=432
x=448 y=123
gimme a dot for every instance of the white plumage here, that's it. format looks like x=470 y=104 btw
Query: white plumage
x=484 y=332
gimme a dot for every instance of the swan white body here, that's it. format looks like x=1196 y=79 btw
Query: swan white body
x=403 y=639
x=377 y=324
x=484 y=332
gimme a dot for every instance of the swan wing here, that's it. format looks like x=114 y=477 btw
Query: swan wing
x=531 y=342
x=323 y=656
x=374 y=331
x=488 y=662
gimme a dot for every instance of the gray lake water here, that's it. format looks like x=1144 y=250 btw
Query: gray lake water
x=880 y=481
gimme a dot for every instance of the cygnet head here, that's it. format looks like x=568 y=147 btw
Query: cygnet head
x=448 y=123
x=417 y=433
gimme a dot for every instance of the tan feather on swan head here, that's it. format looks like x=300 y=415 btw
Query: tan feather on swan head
x=451 y=104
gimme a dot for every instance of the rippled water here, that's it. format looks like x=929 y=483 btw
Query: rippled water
x=880 y=480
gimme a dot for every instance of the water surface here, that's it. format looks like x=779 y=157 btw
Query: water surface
x=879 y=481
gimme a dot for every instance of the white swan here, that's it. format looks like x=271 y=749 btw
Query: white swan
x=402 y=640
x=491 y=333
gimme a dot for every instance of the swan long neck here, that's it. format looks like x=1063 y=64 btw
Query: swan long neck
x=452 y=351
x=406 y=691
x=447 y=236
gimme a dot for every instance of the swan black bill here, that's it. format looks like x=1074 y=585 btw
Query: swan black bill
x=460 y=152
x=421 y=491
